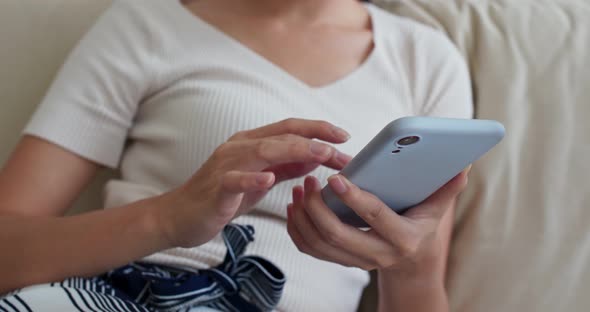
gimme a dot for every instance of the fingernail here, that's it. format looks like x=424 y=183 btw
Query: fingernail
x=341 y=133
x=263 y=179
x=320 y=149
x=468 y=169
x=337 y=184
x=342 y=158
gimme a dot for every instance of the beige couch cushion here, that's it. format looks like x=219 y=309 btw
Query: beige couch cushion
x=522 y=238
x=35 y=38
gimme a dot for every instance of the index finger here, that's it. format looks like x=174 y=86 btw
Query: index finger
x=371 y=209
x=311 y=129
x=336 y=233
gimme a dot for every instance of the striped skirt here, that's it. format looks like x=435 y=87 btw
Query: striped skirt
x=239 y=283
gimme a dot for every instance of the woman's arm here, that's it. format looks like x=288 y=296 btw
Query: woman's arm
x=423 y=292
x=408 y=250
x=40 y=180
x=37 y=185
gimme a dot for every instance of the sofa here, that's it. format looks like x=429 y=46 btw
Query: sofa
x=520 y=241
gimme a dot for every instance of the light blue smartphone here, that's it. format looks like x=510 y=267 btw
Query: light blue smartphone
x=411 y=158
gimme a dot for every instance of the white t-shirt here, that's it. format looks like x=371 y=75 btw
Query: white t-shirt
x=153 y=90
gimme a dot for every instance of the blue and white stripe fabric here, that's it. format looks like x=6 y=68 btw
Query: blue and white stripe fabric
x=240 y=283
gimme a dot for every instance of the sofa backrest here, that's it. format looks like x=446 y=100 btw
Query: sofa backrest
x=522 y=227
x=36 y=37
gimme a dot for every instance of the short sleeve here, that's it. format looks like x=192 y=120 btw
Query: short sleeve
x=91 y=105
x=442 y=85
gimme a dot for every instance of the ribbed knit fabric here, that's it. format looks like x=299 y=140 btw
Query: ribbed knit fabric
x=153 y=90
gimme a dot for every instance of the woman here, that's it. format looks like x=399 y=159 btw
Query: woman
x=214 y=111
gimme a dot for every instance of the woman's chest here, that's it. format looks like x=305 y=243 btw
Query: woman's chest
x=183 y=124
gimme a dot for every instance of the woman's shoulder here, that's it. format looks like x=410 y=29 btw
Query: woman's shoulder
x=152 y=25
x=148 y=14
x=129 y=15
x=399 y=31
x=147 y=10
x=437 y=72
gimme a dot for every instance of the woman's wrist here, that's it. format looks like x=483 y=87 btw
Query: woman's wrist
x=412 y=292
x=413 y=279
x=427 y=266
x=183 y=221
x=159 y=219
x=417 y=286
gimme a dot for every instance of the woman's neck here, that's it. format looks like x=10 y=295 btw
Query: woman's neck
x=345 y=13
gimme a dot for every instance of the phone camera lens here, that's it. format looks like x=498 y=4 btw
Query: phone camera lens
x=408 y=141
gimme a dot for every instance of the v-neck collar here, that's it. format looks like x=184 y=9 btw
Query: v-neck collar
x=261 y=60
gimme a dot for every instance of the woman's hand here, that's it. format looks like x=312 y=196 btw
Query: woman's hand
x=404 y=245
x=241 y=171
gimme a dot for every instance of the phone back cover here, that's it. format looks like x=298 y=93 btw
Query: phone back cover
x=405 y=179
